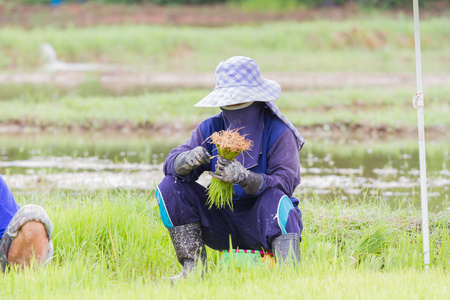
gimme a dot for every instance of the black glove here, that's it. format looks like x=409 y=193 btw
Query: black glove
x=187 y=161
x=234 y=172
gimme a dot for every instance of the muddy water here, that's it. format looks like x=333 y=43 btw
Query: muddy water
x=350 y=170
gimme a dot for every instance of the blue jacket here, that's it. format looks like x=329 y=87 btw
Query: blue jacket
x=8 y=206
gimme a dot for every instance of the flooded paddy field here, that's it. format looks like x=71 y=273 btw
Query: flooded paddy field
x=348 y=170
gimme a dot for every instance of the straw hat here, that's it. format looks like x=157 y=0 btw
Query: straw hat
x=238 y=80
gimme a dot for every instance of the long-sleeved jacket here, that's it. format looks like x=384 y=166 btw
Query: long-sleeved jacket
x=278 y=161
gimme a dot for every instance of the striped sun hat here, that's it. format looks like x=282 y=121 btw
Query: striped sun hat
x=238 y=80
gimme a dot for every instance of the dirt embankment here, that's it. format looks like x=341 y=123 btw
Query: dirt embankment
x=357 y=131
x=89 y=14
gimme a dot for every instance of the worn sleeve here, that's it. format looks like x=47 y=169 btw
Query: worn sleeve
x=196 y=139
x=283 y=169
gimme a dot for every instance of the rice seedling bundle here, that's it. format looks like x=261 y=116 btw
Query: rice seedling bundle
x=372 y=241
x=229 y=145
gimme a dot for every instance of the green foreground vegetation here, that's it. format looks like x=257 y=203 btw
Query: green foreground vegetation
x=112 y=244
x=375 y=43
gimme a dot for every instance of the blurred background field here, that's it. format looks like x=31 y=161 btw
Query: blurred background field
x=94 y=94
x=357 y=44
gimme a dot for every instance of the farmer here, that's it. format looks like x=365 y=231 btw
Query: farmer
x=265 y=215
x=24 y=232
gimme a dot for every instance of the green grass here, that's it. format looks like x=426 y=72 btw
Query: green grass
x=111 y=244
x=374 y=43
x=339 y=107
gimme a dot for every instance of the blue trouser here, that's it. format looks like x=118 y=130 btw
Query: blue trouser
x=250 y=226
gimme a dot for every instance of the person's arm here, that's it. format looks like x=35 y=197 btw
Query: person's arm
x=283 y=171
x=283 y=166
x=232 y=171
x=190 y=160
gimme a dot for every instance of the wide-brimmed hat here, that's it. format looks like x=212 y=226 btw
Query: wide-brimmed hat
x=238 y=80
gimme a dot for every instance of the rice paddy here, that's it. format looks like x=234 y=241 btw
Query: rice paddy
x=89 y=148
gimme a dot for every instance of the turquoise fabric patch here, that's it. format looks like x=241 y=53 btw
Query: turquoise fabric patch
x=284 y=207
x=162 y=210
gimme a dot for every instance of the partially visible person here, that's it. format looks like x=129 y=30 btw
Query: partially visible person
x=25 y=232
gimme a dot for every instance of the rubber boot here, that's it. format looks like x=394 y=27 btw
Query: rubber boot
x=188 y=243
x=286 y=248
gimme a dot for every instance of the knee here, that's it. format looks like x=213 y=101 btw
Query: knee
x=30 y=231
x=33 y=231
x=174 y=188
x=272 y=194
x=288 y=217
x=36 y=215
x=166 y=188
x=168 y=183
x=31 y=241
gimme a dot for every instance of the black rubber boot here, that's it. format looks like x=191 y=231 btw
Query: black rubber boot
x=286 y=248
x=188 y=243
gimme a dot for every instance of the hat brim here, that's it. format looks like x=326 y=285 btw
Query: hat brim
x=269 y=90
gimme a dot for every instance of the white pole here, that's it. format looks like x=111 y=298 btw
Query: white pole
x=418 y=104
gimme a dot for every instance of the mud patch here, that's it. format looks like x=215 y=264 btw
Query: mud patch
x=332 y=132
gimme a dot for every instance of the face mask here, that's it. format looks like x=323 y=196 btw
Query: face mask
x=249 y=119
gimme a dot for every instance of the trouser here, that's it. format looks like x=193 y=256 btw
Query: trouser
x=24 y=215
x=247 y=226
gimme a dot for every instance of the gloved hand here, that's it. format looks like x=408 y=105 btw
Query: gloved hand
x=187 y=161
x=234 y=172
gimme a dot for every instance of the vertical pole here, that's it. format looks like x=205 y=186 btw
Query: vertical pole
x=418 y=104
